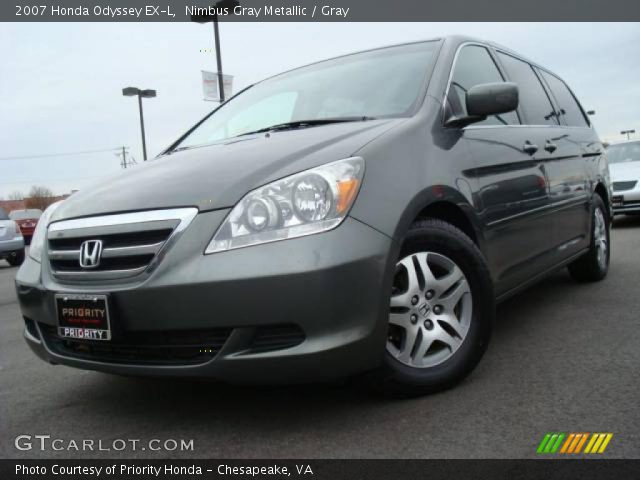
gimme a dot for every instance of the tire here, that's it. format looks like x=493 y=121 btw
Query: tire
x=16 y=259
x=594 y=265
x=438 y=248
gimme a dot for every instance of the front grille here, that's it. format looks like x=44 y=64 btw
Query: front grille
x=277 y=337
x=168 y=347
x=129 y=243
x=622 y=186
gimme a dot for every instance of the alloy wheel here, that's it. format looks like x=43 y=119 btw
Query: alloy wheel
x=431 y=310
x=600 y=238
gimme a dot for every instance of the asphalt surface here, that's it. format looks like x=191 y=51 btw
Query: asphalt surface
x=564 y=357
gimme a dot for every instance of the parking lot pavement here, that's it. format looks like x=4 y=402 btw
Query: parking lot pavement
x=564 y=357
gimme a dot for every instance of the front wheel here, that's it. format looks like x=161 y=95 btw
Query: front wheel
x=594 y=264
x=16 y=258
x=441 y=311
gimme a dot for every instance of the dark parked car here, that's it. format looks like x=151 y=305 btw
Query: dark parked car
x=27 y=220
x=360 y=215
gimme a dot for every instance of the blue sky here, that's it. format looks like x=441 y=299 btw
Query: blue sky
x=60 y=83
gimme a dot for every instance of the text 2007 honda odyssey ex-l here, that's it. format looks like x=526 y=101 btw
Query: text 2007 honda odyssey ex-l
x=358 y=215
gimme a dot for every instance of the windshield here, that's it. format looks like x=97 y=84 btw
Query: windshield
x=378 y=83
x=22 y=214
x=624 y=152
x=3 y=215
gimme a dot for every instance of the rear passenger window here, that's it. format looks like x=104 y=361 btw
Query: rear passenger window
x=569 y=108
x=475 y=66
x=534 y=100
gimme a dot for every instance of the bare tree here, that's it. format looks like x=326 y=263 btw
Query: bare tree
x=17 y=195
x=39 y=197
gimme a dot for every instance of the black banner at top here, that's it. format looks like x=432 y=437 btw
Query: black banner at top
x=319 y=10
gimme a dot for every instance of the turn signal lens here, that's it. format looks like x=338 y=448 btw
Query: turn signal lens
x=347 y=190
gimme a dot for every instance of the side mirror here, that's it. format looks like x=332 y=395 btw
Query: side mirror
x=492 y=99
x=487 y=99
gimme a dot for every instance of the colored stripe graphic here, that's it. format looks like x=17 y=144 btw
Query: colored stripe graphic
x=598 y=442
x=566 y=445
x=550 y=443
x=573 y=443
x=543 y=443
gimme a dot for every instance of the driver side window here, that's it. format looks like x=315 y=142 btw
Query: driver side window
x=475 y=66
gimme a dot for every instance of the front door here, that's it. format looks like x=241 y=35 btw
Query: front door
x=512 y=189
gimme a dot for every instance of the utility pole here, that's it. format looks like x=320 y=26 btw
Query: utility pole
x=124 y=163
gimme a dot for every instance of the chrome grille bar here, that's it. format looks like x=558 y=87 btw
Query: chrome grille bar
x=113 y=252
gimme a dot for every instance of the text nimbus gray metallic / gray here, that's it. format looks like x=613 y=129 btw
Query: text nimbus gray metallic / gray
x=271 y=11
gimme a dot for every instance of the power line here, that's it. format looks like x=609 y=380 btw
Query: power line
x=46 y=155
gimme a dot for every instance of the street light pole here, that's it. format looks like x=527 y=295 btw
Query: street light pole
x=627 y=133
x=144 y=143
x=133 y=91
x=222 y=4
x=216 y=37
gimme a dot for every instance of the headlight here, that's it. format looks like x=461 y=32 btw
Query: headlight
x=40 y=233
x=309 y=202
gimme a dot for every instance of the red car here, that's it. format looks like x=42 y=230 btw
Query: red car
x=27 y=220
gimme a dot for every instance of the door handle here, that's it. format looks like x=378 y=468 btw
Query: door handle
x=529 y=148
x=550 y=147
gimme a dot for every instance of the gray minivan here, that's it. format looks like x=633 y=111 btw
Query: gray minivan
x=361 y=215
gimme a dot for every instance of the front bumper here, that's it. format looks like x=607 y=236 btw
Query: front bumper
x=332 y=287
x=626 y=201
x=9 y=246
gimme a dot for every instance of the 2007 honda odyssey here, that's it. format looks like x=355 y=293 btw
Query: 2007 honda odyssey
x=358 y=215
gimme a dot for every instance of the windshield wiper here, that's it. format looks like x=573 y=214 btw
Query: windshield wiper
x=287 y=126
x=307 y=123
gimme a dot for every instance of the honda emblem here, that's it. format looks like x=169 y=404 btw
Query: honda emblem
x=90 y=253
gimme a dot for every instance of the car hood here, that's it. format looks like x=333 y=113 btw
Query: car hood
x=219 y=175
x=624 y=171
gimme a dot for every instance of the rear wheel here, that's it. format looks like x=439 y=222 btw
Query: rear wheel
x=594 y=264
x=16 y=258
x=441 y=311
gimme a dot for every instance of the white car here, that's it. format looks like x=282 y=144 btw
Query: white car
x=624 y=167
x=11 y=241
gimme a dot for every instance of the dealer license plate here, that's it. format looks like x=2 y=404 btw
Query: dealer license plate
x=83 y=317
